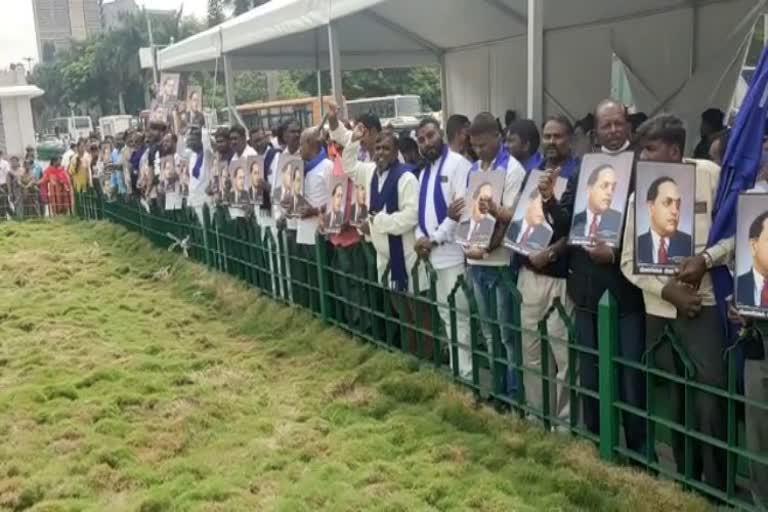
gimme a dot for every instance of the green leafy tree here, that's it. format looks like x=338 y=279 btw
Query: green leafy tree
x=215 y=12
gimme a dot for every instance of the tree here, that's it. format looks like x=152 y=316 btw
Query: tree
x=102 y=74
x=215 y=12
x=424 y=82
x=242 y=6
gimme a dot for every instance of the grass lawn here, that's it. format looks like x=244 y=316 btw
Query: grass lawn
x=133 y=380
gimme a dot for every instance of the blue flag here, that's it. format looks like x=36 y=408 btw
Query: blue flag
x=741 y=165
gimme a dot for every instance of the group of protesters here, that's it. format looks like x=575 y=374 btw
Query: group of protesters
x=28 y=190
x=415 y=199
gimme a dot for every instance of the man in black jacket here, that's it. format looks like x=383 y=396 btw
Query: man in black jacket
x=592 y=272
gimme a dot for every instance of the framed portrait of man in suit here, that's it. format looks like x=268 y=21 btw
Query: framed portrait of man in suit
x=529 y=232
x=358 y=212
x=237 y=196
x=601 y=199
x=475 y=227
x=168 y=91
x=751 y=279
x=291 y=185
x=665 y=202
x=255 y=170
x=333 y=219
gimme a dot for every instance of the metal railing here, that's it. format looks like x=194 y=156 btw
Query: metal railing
x=341 y=286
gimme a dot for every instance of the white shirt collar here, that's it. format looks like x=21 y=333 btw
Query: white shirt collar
x=623 y=148
x=759 y=283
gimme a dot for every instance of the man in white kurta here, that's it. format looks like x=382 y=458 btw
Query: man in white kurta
x=381 y=225
x=442 y=186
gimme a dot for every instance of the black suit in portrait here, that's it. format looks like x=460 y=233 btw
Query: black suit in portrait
x=680 y=246
x=745 y=289
x=537 y=240
x=357 y=213
x=608 y=229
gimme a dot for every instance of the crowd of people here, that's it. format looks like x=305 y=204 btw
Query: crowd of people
x=28 y=190
x=413 y=195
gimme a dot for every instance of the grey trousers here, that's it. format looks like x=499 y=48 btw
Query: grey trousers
x=756 y=389
x=703 y=340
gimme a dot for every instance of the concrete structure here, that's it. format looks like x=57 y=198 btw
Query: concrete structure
x=59 y=22
x=17 y=129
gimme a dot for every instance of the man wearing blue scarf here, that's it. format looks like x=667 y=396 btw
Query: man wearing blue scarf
x=392 y=207
x=199 y=156
x=488 y=267
x=317 y=171
x=442 y=186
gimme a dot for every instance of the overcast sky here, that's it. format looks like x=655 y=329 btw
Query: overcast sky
x=17 y=38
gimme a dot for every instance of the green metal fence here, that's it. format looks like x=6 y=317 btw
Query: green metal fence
x=341 y=286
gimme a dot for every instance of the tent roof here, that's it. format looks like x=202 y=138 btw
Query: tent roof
x=16 y=91
x=287 y=34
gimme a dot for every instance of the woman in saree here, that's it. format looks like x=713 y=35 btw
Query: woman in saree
x=56 y=188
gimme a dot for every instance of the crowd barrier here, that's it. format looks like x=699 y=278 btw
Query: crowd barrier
x=340 y=286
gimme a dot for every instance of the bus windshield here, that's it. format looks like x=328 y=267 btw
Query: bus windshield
x=408 y=106
x=60 y=123
x=82 y=122
x=384 y=108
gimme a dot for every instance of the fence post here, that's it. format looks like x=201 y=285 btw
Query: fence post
x=607 y=334
x=321 y=260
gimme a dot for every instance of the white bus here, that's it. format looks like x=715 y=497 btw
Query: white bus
x=70 y=128
x=112 y=125
x=401 y=111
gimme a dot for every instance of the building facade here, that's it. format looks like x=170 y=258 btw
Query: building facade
x=59 y=22
x=112 y=12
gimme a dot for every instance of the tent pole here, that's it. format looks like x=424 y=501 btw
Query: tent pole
x=444 y=89
x=229 y=91
x=334 y=53
x=535 y=60
x=319 y=74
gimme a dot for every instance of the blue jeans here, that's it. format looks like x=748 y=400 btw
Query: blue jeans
x=485 y=282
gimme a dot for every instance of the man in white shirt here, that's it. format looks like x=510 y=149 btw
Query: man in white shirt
x=393 y=213
x=317 y=171
x=5 y=169
x=238 y=142
x=381 y=224
x=442 y=185
x=199 y=155
x=489 y=269
x=369 y=135
x=685 y=304
x=65 y=158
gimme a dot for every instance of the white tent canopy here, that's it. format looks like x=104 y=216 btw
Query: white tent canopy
x=681 y=55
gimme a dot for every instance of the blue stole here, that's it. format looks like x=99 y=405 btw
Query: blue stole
x=533 y=162
x=198 y=164
x=387 y=200
x=441 y=209
x=500 y=162
x=309 y=165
